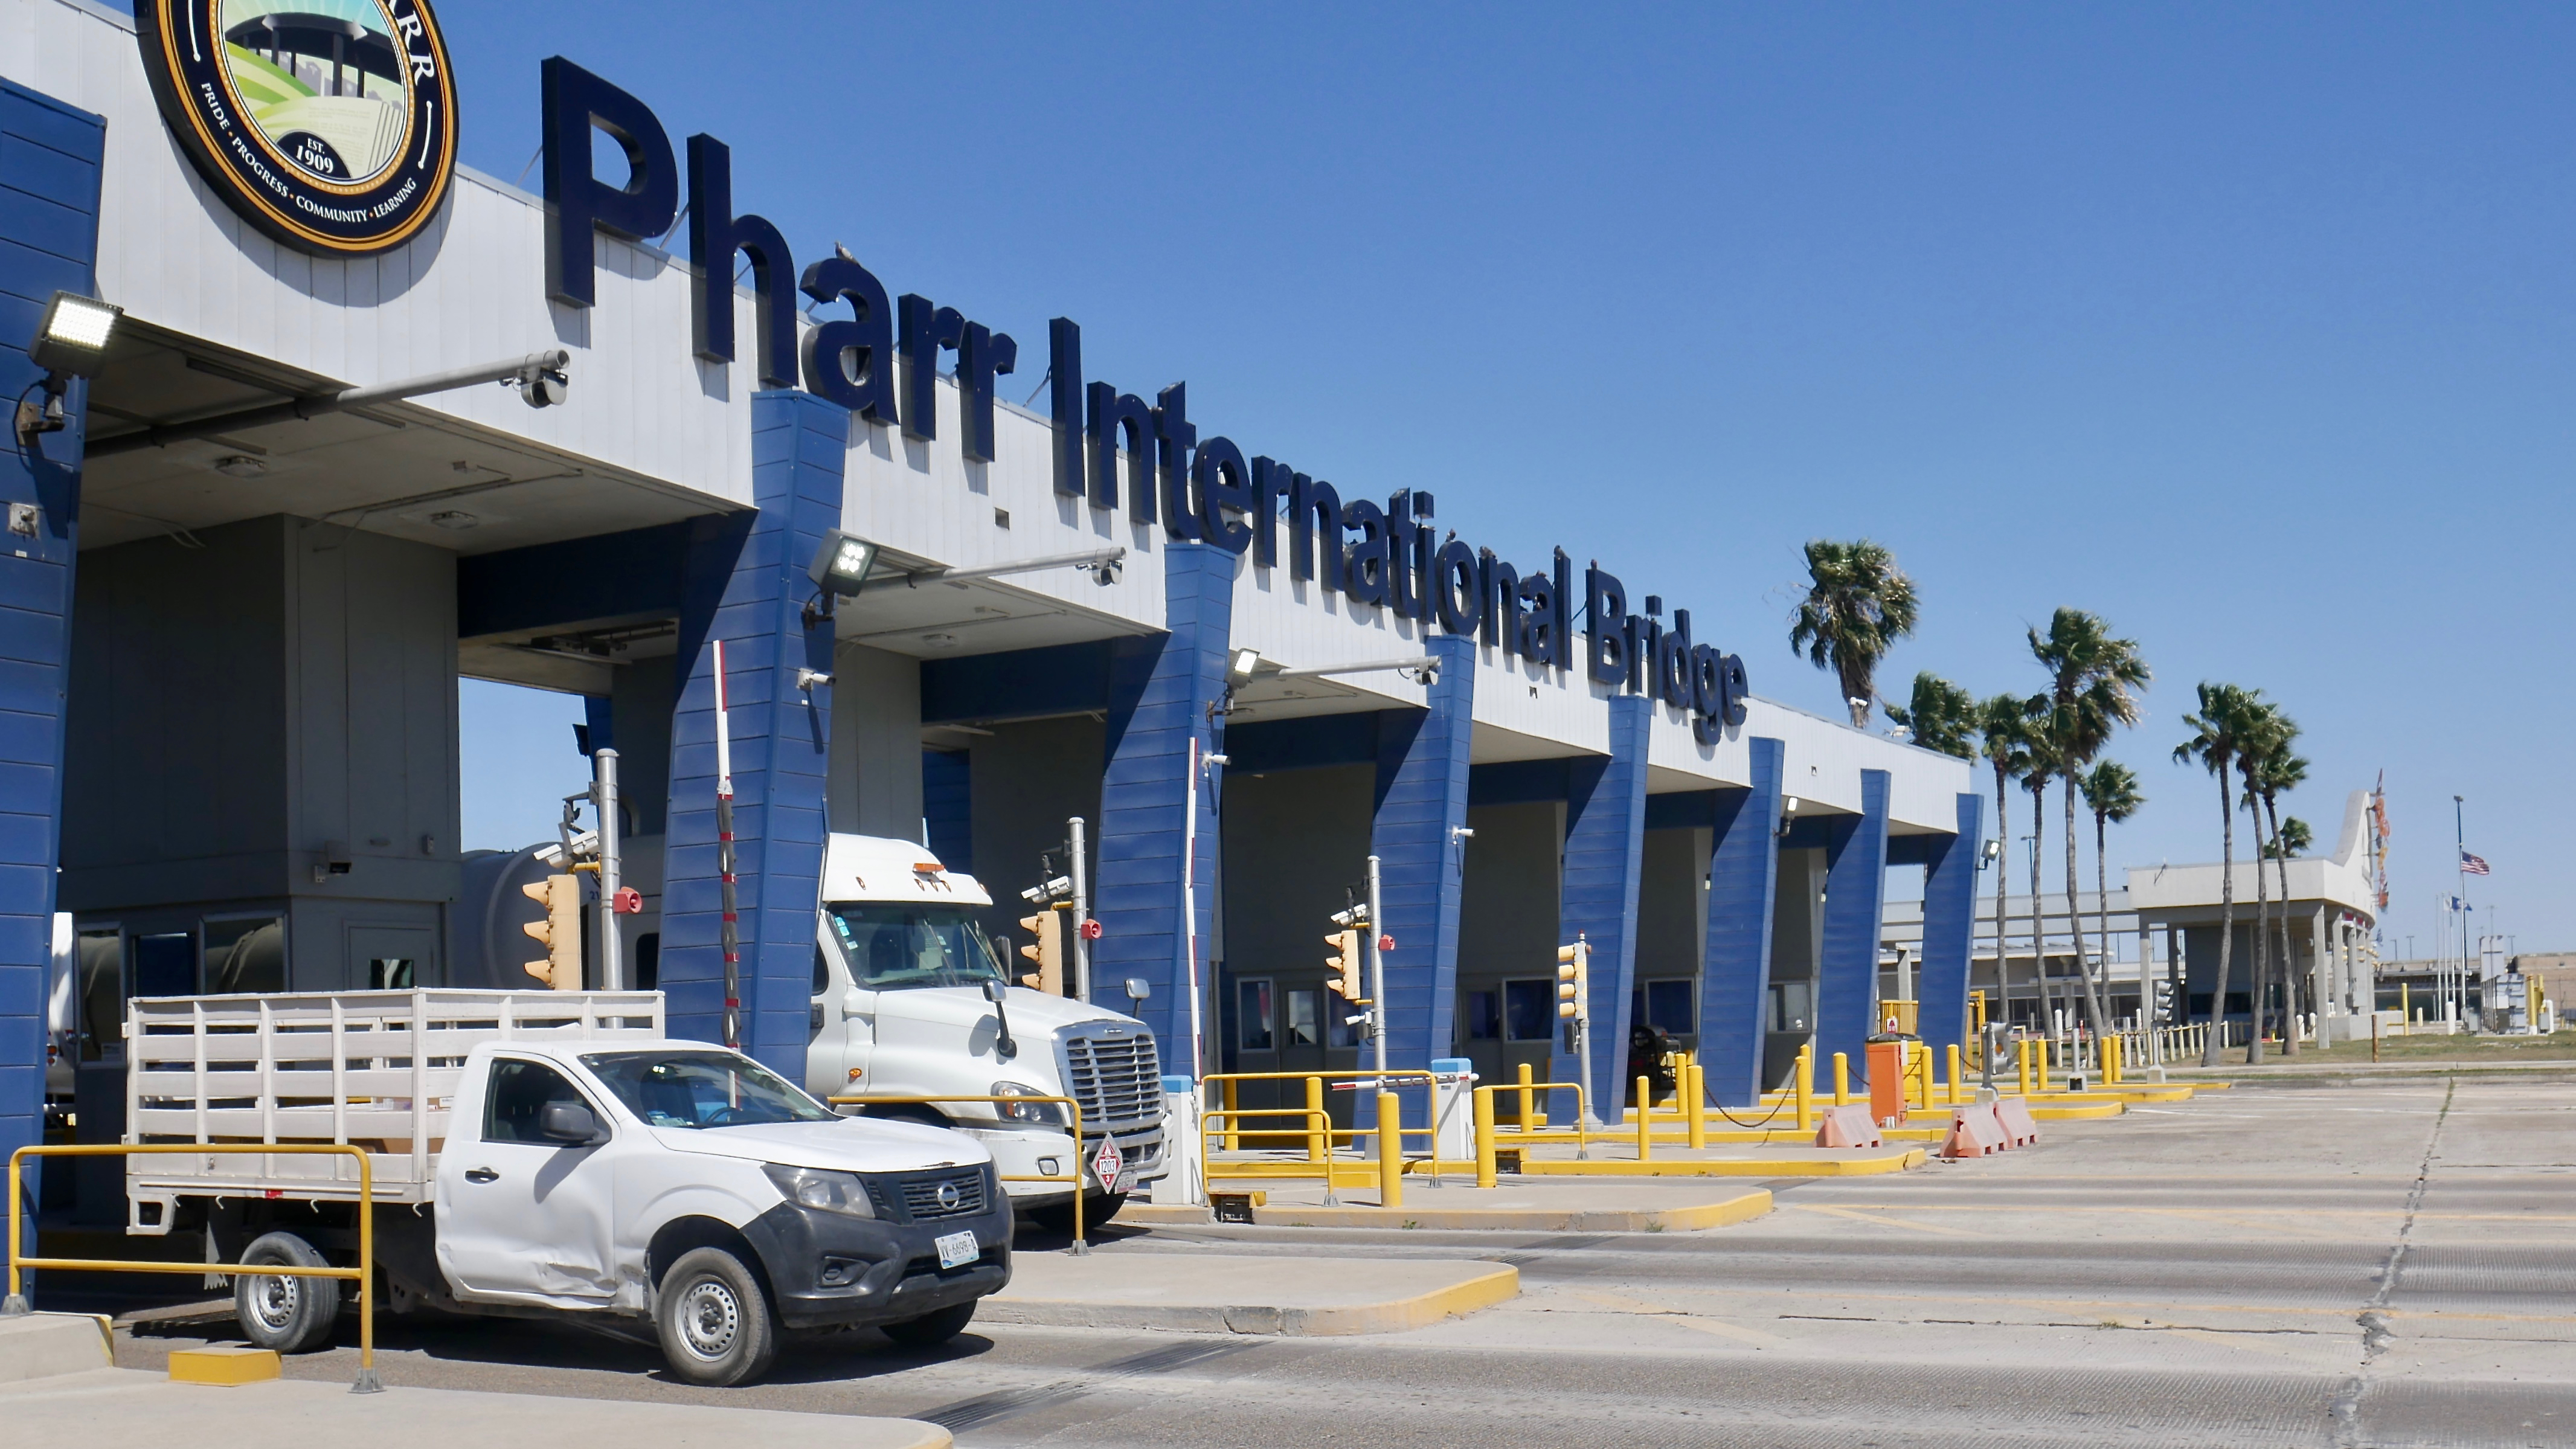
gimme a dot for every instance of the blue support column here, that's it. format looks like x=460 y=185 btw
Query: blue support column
x=50 y=157
x=1421 y=805
x=1855 y=901
x=1949 y=930
x=747 y=586
x=1743 y=879
x=1160 y=693
x=1605 y=850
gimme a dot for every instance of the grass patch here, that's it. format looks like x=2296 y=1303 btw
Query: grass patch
x=2429 y=1050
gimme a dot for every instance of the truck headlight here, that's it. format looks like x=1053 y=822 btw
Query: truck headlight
x=1044 y=1114
x=832 y=1192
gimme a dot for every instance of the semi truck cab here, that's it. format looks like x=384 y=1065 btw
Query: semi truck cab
x=911 y=1000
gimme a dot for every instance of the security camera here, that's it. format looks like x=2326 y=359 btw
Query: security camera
x=542 y=387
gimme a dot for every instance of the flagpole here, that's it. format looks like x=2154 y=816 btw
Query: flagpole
x=2460 y=864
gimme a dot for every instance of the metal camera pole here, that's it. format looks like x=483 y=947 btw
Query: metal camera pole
x=1377 y=969
x=1081 y=910
x=603 y=797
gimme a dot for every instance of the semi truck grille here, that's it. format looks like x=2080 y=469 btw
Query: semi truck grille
x=949 y=1195
x=1117 y=1079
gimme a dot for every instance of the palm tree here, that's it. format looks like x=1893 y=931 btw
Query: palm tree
x=2284 y=769
x=2043 y=767
x=2005 y=743
x=2093 y=684
x=1942 y=717
x=2291 y=839
x=1858 y=604
x=2261 y=734
x=2214 y=742
x=2111 y=793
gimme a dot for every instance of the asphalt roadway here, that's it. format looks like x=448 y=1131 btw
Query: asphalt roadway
x=2391 y=1262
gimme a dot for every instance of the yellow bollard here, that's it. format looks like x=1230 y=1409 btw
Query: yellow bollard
x=1842 y=1079
x=2111 y=1055
x=1390 y=1151
x=1233 y=1124
x=1526 y=1095
x=1696 y=1087
x=1484 y=1099
x=1645 y=1120
x=1918 y=1076
x=2023 y=1065
x=1956 y=1062
x=1806 y=1087
x=1318 y=1148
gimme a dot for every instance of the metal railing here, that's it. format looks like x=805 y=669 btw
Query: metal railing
x=364 y=1273
x=1080 y=1245
x=1315 y=1128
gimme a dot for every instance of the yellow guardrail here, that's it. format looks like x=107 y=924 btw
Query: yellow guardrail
x=1080 y=1246
x=1315 y=1127
x=364 y=1273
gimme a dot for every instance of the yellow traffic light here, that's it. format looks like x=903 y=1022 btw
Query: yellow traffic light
x=1573 y=973
x=559 y=932
x=1345 y=965
x=1048 y=954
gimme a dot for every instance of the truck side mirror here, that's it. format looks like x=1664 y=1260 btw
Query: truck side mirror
x=569 y=1123
x=1003 y=1046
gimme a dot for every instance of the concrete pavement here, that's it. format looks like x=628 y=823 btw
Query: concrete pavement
x=2384 y=1264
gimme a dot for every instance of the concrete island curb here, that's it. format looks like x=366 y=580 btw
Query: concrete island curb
x=1277 y=1296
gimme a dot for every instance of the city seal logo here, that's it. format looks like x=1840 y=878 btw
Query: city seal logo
x=328 y=124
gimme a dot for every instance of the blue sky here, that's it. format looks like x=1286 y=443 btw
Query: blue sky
x=2247 y=328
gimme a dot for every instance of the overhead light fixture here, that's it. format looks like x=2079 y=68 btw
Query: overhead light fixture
x=71 y=341
x=1238 y=670
x=456 y=519
x=240 y=465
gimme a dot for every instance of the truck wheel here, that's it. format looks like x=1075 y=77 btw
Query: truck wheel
x=290 y=1315
x=714 y=1319
x=1058 y=1217
x=931 y=1330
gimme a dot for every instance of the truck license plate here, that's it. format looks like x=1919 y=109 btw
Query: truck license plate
x=956 y=1250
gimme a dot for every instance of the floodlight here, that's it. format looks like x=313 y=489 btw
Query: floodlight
x=1239 y=669
x=841 y=565
x=71 y=340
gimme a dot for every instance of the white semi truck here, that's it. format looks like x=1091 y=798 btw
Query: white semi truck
x=912 y=1000
x=549 y=1153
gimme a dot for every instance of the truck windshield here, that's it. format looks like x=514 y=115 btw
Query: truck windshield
x=891 y=947
x=702 y=1089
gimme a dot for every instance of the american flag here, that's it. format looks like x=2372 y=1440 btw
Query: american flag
x=2472 y=864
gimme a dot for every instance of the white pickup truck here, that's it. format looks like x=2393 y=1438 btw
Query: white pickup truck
x=911 y=1000
x=539 y=1153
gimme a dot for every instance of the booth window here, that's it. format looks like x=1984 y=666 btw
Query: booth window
x=1529 y=1009
x=246 y=956
x=1306 y=1017
x=1252 y=1017
x=1664 y=1005
x=165 y=964
x=1789 y=1008
x=1484 y=1015
x=102 y=994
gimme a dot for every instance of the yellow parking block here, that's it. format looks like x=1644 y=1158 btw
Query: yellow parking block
x=224 y=1366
